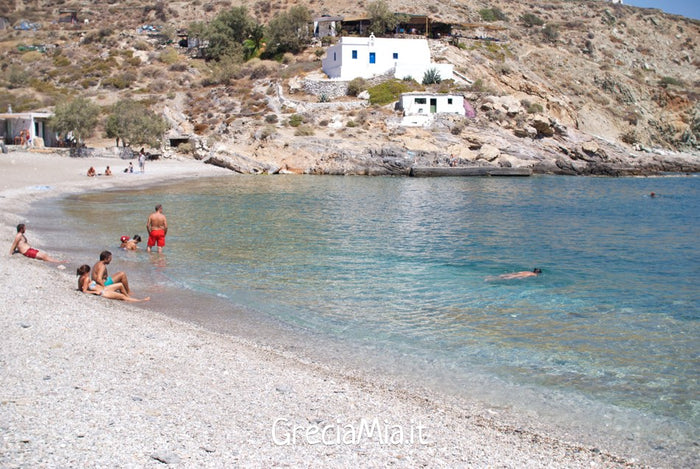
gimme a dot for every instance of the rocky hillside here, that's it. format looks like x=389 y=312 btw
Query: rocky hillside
x=572 y=87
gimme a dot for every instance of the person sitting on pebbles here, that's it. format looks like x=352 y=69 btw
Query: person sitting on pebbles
x=115 y=291
x=21 y=245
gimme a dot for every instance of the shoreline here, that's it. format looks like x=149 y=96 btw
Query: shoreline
x=92 y=381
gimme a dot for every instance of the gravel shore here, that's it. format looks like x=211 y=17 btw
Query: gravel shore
x=86 y=381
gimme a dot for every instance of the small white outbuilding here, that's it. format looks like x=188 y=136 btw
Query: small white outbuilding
x=419 y=108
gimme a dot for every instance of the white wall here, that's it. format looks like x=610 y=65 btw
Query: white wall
x=351 y=58
x=419 y=104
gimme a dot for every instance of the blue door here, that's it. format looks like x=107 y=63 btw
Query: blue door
x=372 y=58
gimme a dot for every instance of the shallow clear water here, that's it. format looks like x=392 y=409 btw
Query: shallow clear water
x=403 y=268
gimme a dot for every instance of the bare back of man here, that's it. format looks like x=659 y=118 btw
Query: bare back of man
x=157 y=226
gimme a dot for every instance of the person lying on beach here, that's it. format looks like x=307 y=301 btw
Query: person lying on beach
x=114 y=291
x=523 y=274
x=21 y=246
x=101 y=277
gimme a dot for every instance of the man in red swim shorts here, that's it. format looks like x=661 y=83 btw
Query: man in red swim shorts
x=21 y=246
x=157 y=227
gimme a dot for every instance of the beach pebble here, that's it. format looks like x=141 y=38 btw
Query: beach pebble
x=166 y=457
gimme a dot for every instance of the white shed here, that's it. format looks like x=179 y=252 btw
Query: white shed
x=419 y=108
x=36 y=123
x=367 y=57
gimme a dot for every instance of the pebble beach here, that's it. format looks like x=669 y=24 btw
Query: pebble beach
x=86 y=381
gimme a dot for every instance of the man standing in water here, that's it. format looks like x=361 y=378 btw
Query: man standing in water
x=157 y=227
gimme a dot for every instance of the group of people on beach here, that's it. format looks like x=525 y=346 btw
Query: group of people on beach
x=91 y=172
x=97 y=281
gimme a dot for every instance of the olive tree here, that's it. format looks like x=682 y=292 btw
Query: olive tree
x=288 y=31
x=382 y=19
x=134 y=124
x=79 y=116
x=226 y=34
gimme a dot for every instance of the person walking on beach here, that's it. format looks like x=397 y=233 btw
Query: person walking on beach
x=157 y=226
x=114 y=291
x=102 y=278
x=21 y=246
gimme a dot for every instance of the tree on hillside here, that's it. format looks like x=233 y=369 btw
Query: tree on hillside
x=226 y=33
x=78 y=116
x=288 y=31
x=382 y=19
x=134 y=124
x=254 y=43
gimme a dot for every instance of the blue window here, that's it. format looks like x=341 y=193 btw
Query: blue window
x=334 y=57
x=372 y=58
x=354 y=54
x=396 y=56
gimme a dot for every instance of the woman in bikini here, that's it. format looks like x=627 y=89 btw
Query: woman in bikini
x=21 y=246
x=113 y=291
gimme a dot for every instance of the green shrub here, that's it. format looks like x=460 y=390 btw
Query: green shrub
x=271 y=118
x=665 y=81
x=478 y=85
x=121 y=81
x=431 y=76
x=531 y=108
x=168 y=56
x=61 y=61
x=530 y=20
x=492 y=14
x=187 y=148
x=296 y=120
x=356 y=86
x=304 y=131
x=17 y=76
x=267 y=132
x=387 y=92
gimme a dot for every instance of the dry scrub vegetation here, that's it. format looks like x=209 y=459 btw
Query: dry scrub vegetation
x=624 y=73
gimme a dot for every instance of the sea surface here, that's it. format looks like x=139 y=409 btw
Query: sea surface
x=400 y=275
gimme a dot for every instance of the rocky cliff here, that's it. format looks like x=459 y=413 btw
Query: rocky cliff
x=566 y=87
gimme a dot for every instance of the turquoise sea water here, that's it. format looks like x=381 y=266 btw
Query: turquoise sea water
x=399 y=272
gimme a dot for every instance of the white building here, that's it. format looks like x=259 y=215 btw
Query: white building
x=327 y=25
x=419 y=108
x=36 y=123
x=367 y=57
